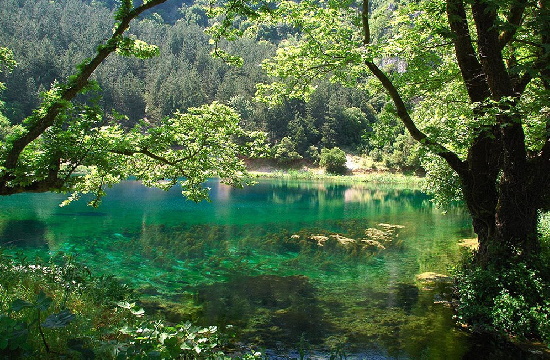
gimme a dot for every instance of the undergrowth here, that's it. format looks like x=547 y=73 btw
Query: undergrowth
x=511 y=300
x=58 y=309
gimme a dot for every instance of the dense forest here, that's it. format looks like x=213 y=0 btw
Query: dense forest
x=49 y=38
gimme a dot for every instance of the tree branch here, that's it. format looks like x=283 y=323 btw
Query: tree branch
x=489 y=49
x=472 y=71
x=514 y=19
x=452 y=158
x=74 y=86
x=154 y=156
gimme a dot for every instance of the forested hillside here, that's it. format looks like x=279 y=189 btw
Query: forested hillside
x=50 y=38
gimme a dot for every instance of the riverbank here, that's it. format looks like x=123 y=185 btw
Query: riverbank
x=358 y=172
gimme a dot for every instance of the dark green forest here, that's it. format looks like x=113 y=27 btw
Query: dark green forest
x=48 y=38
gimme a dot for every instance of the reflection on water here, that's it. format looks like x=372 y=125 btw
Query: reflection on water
x=292 y=265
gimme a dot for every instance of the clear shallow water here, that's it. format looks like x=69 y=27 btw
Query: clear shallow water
x=246 y=259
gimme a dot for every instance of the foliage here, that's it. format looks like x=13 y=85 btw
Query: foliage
x=402 y=155
x=47 y=304
x=285 y=151
x=148 y=339
x=43 y=153
x=333 y=160
x=15 y=333
x=512 y=299
x=59 y=309
x=7 y=62
x=183 y=76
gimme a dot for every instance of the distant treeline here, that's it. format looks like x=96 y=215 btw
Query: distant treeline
x=49 y=38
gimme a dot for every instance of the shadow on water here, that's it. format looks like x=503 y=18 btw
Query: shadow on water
x=23 y=234
x=273 y=309
x=484 y=346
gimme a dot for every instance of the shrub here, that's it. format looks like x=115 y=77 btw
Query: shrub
x=512 y=299
x=57 y=309
x=333 y=160
x=285 y=151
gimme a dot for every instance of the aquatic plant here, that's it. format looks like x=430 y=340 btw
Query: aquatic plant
x=15 y=332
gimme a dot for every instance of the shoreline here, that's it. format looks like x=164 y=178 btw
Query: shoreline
x=371 y=177
x=358 y=171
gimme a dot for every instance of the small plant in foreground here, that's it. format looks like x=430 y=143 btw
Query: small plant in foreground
x=15 y=330
x=58 y=309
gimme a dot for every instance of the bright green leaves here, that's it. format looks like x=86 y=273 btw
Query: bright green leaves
x=7 y=62
x=123 y=9
x=187 y=148
x=329 y=45
x=138 y=48
x=192 y=147
x=62 y=138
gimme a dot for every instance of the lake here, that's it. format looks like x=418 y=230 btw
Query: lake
x=295 y=267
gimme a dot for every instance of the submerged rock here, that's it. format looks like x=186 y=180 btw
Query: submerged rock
x=373 y=244
x=432 y=277
x=374 y=240
x=434 y=281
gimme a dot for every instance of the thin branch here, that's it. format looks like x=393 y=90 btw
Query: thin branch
x=452 y=158
x=154 y=156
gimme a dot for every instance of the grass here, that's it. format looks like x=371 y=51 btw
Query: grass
x=386 y=178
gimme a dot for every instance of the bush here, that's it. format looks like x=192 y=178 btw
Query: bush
x=285 y=152
x=333 y=160
x=512 y=299
x=57 y=309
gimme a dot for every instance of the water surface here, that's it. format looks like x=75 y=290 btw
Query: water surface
x=252 y=258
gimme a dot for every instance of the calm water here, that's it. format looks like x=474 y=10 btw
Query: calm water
x=252 y=258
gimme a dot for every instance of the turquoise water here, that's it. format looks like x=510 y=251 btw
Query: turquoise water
x=252 y=258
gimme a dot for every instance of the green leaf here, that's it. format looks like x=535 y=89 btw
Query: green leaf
x=59 y=320
x=18 y=305
x=43 y=302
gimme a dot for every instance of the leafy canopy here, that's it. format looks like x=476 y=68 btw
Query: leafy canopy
x=72 y=146
x=333 y=40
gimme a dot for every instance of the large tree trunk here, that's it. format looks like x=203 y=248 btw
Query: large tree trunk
x=504 y=216
x=503 y=184
x=499 y=185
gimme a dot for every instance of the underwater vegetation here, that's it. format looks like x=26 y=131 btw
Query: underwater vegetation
x=294 y=269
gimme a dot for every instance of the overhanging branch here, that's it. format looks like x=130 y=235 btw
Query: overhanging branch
x=452 y=158
x=75 y=86
x=514 y=20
